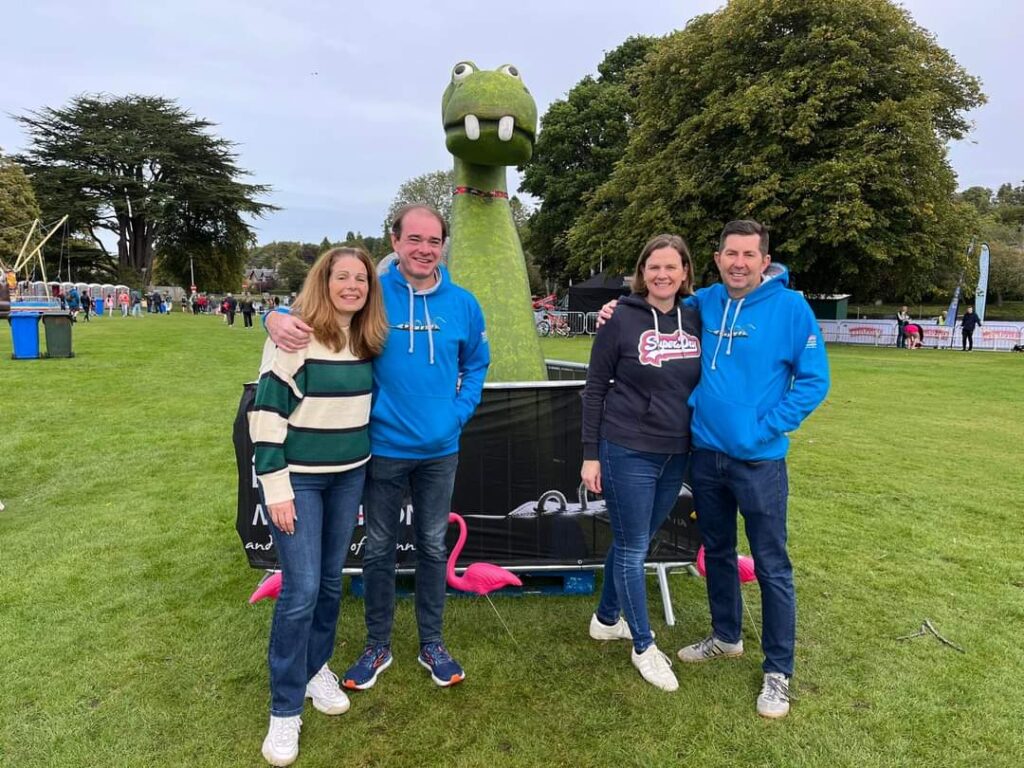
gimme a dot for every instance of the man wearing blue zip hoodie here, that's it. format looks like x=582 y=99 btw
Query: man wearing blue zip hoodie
x=764 y=371
x=426 y=385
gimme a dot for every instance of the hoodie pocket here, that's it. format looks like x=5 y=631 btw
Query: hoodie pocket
x=724 y=425
x=415 y=421
x=667 y=415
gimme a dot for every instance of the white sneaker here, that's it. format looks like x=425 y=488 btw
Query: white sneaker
x=656 y=668
x=281 y=746
x=710 y=648
x=617 y=631
x=773 y=701
x=326 y=695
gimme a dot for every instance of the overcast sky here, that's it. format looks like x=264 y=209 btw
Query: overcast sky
x=335 y=104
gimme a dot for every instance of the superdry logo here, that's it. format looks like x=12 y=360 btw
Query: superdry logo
x=655 y=348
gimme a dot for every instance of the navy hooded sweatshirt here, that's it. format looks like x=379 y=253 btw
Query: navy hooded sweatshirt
x=643 y=367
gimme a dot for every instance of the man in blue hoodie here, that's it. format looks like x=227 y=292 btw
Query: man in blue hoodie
x=427 y=383
x=764 y=371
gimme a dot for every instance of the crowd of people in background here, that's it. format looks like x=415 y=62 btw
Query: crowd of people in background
x=135 y=303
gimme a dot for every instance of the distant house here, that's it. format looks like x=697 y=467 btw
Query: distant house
x=258 y=277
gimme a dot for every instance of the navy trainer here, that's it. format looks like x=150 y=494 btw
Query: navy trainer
x=444 y=670
x=363 y=674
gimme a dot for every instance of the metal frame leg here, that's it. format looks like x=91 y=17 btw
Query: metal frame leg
x=666 y=596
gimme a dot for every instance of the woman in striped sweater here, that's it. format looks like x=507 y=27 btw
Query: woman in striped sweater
x=309 y=427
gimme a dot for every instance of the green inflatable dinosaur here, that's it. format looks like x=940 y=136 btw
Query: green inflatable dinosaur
x=490 y=121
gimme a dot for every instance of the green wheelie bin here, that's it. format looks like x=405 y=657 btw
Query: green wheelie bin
x=57 y=327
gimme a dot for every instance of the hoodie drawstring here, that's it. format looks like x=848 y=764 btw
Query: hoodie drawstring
x=735 y=317
x=412 y=323
x=430 y=329
x=721 y=330
x=721 y=333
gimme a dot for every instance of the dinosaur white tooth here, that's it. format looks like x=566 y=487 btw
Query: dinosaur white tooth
x=472 y=128
x=505 y=126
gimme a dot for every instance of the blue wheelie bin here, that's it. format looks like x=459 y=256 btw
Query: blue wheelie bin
x=97 y=306
x=25 y=335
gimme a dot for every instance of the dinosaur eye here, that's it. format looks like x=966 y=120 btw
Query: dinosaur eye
x=510 y=70
x=462 y=70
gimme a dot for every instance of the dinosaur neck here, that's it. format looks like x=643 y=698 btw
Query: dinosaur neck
x=489 y=213
x=486 y=259
x=486 y=178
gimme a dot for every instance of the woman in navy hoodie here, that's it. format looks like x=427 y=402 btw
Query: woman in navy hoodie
x=636 y=439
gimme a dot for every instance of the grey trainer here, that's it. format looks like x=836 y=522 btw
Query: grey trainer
x=773 y=701
x=710 y=648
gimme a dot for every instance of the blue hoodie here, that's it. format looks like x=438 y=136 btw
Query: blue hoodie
x=764 y=369
x=436 y=340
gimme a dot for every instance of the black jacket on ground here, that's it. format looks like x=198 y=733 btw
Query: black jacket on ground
x=643 y=367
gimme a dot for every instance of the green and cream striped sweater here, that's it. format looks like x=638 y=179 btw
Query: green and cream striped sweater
x=311 y=414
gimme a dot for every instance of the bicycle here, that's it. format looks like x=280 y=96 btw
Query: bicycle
x=550 y=323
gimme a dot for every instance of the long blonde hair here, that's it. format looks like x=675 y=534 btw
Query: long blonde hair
x=369 y=326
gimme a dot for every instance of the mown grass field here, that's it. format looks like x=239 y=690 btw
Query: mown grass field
x=126 y=640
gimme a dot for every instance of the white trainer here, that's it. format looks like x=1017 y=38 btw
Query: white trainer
x=281 y=746
x=773 y=701
x=656 y=668
x=710 y=648
x=327 y=696
x=617 y=631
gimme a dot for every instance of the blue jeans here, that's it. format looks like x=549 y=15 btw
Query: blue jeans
x=430 y=482
x=760 y=489
x=306 y=615
x=640 y=490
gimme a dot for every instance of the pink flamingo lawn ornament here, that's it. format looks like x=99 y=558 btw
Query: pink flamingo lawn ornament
x=744 y=564
x=479 y=578
x=269 y=587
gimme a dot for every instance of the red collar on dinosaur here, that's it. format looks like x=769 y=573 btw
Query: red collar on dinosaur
x=480 y=192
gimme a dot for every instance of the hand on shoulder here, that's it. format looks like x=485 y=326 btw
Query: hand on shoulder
x=288 y=332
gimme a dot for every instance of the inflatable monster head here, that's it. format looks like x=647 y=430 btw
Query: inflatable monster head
x=489 y=118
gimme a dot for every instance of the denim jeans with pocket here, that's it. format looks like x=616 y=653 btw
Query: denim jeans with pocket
x=760 y=489
x=640 y=489
x=306 y=615
x=430 y=483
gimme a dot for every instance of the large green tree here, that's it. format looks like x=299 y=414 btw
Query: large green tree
x=582 y=137
x=825 y=119
x=291 y=273
x=18 y=209
x=151 y=174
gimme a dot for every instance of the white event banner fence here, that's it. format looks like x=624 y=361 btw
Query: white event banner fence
x=1002 y=336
